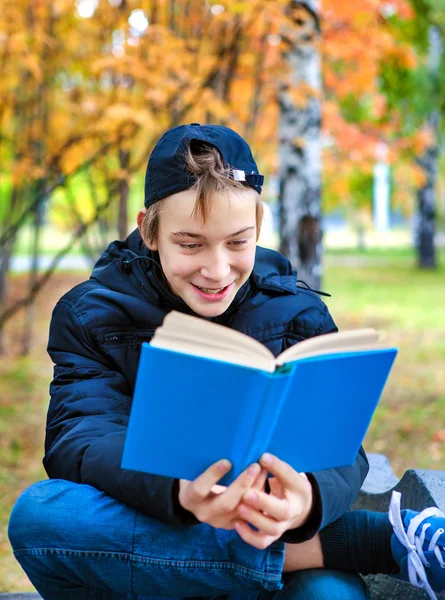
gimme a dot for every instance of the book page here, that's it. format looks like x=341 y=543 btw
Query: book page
x=179 y=339
x=342 y=341
x=344 y=350
x=198 y=337
x=214 y=353
x=198 y=331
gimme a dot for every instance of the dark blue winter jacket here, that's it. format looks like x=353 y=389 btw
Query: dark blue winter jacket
x=95 y=337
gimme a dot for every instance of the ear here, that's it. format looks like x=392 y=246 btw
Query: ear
x=258 y=231
x=140 y=217
x=259 y=214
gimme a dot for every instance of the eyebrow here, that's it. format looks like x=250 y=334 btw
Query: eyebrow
x=181 y=234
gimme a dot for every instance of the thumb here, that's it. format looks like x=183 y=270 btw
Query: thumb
x=183 y=483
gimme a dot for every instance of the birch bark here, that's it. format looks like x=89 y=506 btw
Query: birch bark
x=425 y=229
x=300 y=145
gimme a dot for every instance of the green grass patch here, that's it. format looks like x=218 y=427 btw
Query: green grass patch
x=392 y=292
x=407 y=306
x=22 y=418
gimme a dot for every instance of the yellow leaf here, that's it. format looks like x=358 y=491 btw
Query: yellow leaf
x=17 y=43
x=75 y=156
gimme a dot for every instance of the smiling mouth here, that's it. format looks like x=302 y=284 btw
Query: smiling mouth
x=210 y=290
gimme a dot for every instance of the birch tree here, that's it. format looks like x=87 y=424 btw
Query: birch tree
x=426 y=194
x=300 y=144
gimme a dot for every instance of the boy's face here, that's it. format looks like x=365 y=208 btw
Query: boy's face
x=206 y=264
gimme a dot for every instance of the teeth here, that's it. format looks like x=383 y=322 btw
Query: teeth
x=209 y=291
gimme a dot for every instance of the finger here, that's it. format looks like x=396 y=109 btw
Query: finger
x=263 y=523
x=254 y=538
x=200 y=488
x=230 y=499
x=276 y=508
x=276 y=488
x=261 y=480
x=283 y=472
x=218 y=489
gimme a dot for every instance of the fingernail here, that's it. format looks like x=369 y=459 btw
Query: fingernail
x=250 y=495
x=253 y=469
x=267 y=458
x=224 y=465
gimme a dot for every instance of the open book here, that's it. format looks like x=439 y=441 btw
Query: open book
x=191 y=335
x=205 y=392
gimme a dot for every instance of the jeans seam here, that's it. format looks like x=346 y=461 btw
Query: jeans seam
x=67 y=552
x=267 y=576
x=274 y=553
x=132 y=551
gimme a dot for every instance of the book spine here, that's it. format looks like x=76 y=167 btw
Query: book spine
x=251 y=426
x=266 y=418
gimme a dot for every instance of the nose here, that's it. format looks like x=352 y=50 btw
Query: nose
x=216 y=267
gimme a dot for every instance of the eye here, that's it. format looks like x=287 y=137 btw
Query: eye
x=189 y=246
x=238 y=242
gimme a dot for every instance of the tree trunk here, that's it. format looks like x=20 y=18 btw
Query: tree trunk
x=124 y=161
x=255 y=105
x=90 y=253
x=154 y=9
x=39 y=114
x=361 y=239
x=5 y=258
x=300 y=147
x=426 y=196
x=426 y=209
x=172 y=20
x=33 y=274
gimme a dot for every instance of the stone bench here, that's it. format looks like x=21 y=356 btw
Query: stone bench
x=31 y=596
x=419 y=489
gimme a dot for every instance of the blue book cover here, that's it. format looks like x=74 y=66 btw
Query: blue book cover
x=190 y=411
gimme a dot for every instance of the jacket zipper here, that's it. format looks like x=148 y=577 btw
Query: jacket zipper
x=118 y=337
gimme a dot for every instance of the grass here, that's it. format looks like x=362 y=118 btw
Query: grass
x=378 y=288
x=23 y=404
x=21 y=417
x=406 y=304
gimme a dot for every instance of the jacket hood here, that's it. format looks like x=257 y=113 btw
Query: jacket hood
x=118 y=268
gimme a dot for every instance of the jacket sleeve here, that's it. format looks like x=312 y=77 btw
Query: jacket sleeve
x=87 y=422
x=334 y=490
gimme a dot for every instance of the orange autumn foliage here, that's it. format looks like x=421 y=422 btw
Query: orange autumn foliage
x=75 y=81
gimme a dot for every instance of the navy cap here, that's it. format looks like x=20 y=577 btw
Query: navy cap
x=166 y=172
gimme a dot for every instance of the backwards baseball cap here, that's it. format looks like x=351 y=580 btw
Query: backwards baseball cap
x=166 y=171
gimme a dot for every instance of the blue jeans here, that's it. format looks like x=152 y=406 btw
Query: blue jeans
x=76 y=543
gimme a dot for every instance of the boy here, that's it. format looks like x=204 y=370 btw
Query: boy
x=99 y=532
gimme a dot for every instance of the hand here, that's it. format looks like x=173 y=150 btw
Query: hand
x=215 y=504
x=288 y=505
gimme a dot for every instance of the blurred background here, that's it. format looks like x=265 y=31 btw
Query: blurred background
x=342 y=104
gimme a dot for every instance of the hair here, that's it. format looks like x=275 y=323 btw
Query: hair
x=204 y=162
